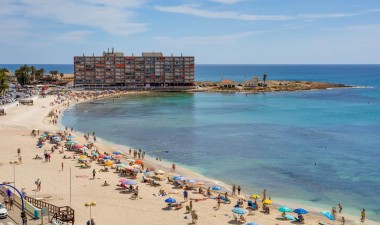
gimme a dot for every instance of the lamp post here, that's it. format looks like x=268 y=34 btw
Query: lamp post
x=90 y=204
x=14 y=173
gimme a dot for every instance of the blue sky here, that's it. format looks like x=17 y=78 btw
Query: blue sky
x=214 y=31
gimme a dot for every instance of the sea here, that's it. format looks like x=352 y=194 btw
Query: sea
x=317 y=148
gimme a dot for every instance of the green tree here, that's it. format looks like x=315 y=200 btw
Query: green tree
x=61 y=74
x=23 y=75
x=33 y=71
x=54 y=74
x=4 y=82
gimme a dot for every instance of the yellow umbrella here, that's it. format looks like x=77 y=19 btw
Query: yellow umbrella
x=267 y=201
x=159 y=176
x=83 y=157
x=108 y=163
x=240 y=197
x=255 y=196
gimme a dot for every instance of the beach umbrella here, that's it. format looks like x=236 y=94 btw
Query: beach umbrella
x=240 y=197
x=107 y=157
x=251 y=223
x=255 y=196
x=179 y=178
x=328 y=215
x=108 y=163
x=120 y=165
x=122 y=180
x=170 y=200
x=101 y=156
x=289 y=217
x=149 y=174
x=130 y=182
x=284 y=209
x=138 y=161
x=129 y=168
x=300 y=211
x=70 y=137
x=216 y=188
x=159 y=171
x=116 y=153
x=238 y=210
x=159 y=176
x=94 y=154
x=267 y=201
x=190 y=181
x=83 y=157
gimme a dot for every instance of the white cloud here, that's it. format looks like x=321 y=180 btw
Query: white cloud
x=326 y=15
x=194 y=41
x=226 y=1
x=195 y=11
x=73 y=36
x=111 y=16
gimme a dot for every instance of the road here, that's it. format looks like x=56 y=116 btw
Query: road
x=6 y=221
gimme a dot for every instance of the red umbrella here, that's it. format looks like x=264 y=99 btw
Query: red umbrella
x=138 y=161
x=101 y=156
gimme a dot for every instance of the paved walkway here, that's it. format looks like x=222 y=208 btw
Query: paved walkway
x=14 y=217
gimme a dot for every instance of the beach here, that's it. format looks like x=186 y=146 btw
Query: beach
x=113 y=206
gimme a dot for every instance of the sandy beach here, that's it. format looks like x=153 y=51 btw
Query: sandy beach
x=113 y=205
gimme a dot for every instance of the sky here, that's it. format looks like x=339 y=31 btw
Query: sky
x=214 y=31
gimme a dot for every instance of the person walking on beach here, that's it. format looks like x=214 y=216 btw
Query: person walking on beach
x=93 y=174
x=340 y=208
x=264 y=194
x=185 y=195
x=363 y=216
x=239 y=189
x=219 y=199
x=18 y=151
x=173 y=167
x=62 y=165
x=343 y=220
x=233 y=189
x=36 y=183
x=20 y=159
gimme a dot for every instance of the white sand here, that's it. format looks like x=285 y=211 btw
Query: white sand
x=113 y=207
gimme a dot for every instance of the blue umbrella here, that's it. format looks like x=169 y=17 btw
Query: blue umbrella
x=107 y=157
x=116 y=153
x=300 y=211
x=216 y=188
x=130 y=182
x=238 y=210
x=70 y=137
x=190 y=181
x=284 y=209
x=252 y=223
x=289 y=217
x=170 y=200
x=328 y=215
x=179 y=178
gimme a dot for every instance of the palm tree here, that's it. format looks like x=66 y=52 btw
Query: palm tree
x=54 y=74
x=61 y=74
x=4 y=85
x=23 y=75
x=33 y=73
x=265 y=80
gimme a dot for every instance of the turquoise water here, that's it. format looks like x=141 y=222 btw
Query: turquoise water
x=267 y=140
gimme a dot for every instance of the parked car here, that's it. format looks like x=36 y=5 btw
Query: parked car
x=17 y=96
x=3 y=212
x=9 y=101
x=27 y=96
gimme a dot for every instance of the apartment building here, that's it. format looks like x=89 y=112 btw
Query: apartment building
x=151 y=69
